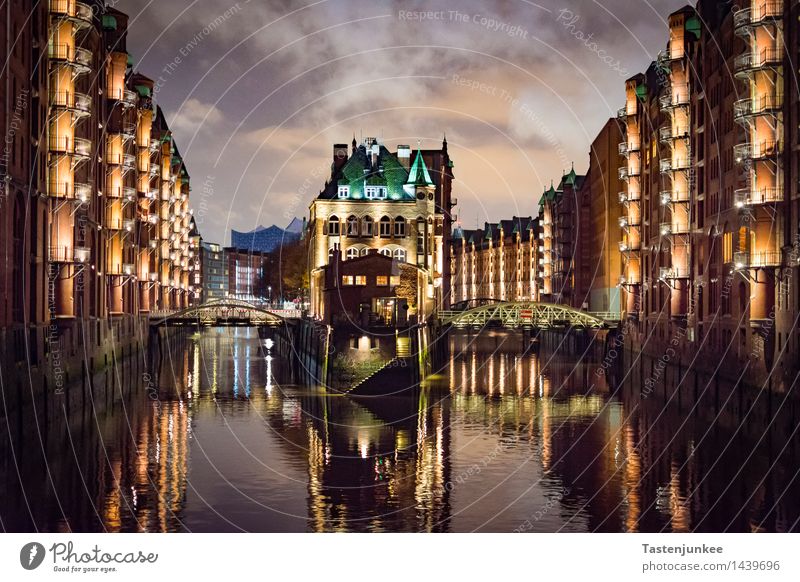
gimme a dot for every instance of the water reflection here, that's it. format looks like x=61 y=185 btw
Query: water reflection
x=502 y=440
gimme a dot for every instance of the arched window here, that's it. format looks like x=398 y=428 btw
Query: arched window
x=333 y=226
x=352 y=226
x=352 y=253
x=386 y=227
x=367 y=226
x=399 y=226
x=400 y=255
x=364 y=251
x=385 y=251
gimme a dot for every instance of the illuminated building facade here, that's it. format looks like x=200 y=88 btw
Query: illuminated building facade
x=95 y=212
x=710 y=212
x=395 y=203
x=499 y=261
x=563 y=210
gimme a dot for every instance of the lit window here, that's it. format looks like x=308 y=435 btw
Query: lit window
x=347 y=279
x=367 y=225
x=375 y=192
x=352 y=226
x=400 y=255
x=399 y=226
x=386 y=227
x=361 y=279
x=381 y=280
x=344 y=191
x=333 y=225
x=394 y=280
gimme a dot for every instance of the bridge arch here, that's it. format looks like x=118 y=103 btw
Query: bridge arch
x=521 y=314
x=231 y=312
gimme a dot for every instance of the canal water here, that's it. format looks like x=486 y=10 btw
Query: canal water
x=215 y=438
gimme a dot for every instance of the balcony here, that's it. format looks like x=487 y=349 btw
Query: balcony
x=78 y=58
x=756 y=151
x=669 y=273
x=758 y=259
x=765 y=13
x=678 y=96
x=622 y=113
x=623 y=222
x=744 y=109
x=79 y=104
x=623 y=197
x=746 y=197
x=623 y=148
x=669 y=133
x=129 y=98
x=747 y=63
x=78 y=13
x=623 y=173
x=669 y=56
x=127 y=130
x=665 y=197
x=665 y=166
x=127 y=161
x=69 y=190
x=665 y=229
x=128 y=195
x=66 y=254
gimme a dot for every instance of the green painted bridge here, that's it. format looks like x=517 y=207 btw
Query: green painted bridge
x=524 y=314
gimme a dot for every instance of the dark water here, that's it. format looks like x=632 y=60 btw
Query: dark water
x=501 y=442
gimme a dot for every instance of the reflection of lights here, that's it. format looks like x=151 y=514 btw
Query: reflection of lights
x=268 y=387
x=268 y=343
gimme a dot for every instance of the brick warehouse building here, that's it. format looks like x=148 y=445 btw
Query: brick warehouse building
x=95 y=213
x=397 y=204
x=711 y=211
x=499 y=261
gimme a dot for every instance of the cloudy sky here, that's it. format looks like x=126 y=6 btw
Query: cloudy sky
x=257 y=91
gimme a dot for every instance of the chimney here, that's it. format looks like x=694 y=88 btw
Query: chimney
x=404 y=156
x=339 y=155
x=375 y=154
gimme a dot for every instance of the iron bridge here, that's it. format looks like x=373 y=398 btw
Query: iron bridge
x=224 y=312
x=521 y=314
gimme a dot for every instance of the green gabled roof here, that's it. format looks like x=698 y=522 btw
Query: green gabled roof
x=570 y=178
x=143 y=90
x=375 y=180
x=358 y=172
x=693 y=26
x=550 y=194
x=419 y=175
x=109 y=22
x=641 y=91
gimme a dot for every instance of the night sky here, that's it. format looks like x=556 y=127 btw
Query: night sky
x=257 y=92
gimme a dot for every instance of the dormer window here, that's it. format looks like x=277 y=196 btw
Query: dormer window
x=375 y=192
x=344 y=191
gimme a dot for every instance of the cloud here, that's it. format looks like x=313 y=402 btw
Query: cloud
x=261 y=98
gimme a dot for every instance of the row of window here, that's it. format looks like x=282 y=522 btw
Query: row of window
x=380 y=280
x=355 y=252
x=366 y=226
x=370 y=192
